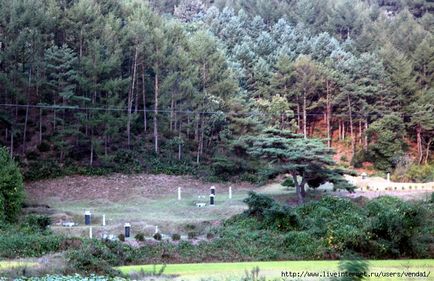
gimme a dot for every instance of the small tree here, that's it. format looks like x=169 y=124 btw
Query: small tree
x=11 y=188
x=308 y=161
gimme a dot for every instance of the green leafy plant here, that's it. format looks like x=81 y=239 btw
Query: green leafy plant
x=176 y=237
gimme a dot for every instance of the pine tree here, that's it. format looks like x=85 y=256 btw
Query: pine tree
x=306 y=81
x=308 y=161
x=422 y=120
x=11 y=188
x=61 y=68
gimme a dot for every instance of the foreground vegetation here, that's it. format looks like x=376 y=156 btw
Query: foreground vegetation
x=329 y=229
x=272 y=270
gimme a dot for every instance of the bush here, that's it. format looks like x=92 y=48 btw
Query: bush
x=37 y=222
x=121 y=237
x=301 y=244
x=358 y=159
x=281 y=218
x=289 y=182
x=96 y=256
x=258 y=203
x=396 y=222
x=11 y=188
x=42 y=169
x=420 y=173
x=140 y=237
x=355 y=268
x=191 y=235
x=176 y=237
x=75 y=277
x=157 y=236
x=17 y=244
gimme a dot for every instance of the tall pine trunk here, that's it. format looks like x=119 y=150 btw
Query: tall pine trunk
x=304 y=115
x=427 y=152
x=298 y=116
x=145 y=125
x=353 y=143
x=130 y=98
x=199 y=138
x=365 y=145
x=156 y=89
x=419 y=144
x=328 y=116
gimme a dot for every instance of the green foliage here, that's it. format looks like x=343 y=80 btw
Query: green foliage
x=176 y=237
x=281 y=218
x=286 y=152
x=289 y=182
x=121 y=237
x=11 y=188
x=258 y=203
x=140 y=237
x=388 y=134
x=75 y=277
x=394 y=225
x=95 y=256
x=192 y=235
x=39 y=222
x=355 y=269
x=417 y=173
x=28 y=240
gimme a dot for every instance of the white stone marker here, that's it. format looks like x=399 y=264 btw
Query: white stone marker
x=230 y=192
x=388 y=177
x=179 y=193
x=103 y=220
x=156 y=229
x=90 y=232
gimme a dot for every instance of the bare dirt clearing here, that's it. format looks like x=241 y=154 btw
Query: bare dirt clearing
x=143 y=200
x=119 y=187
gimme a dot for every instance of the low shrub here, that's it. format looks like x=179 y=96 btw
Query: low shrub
x=419 y=173
x=191 y=235
x=394 y=223
x=176 y=237
x=140 y=237
x=210 y=235
x=17 y=244
x=36 y=222
x=157 y=236
x=121 y=237
x=281 y=218
x=75 y=277
x=258 y=203
x=96 y=256
x=289 y=182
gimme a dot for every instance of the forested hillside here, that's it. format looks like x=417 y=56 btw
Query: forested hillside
x=129 y=85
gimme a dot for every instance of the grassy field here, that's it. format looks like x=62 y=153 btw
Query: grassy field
x=6 y=265
x=273 y=270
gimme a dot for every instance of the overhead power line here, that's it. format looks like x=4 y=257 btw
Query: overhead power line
x=62 y=107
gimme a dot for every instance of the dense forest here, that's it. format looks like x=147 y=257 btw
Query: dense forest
x=97 y=83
